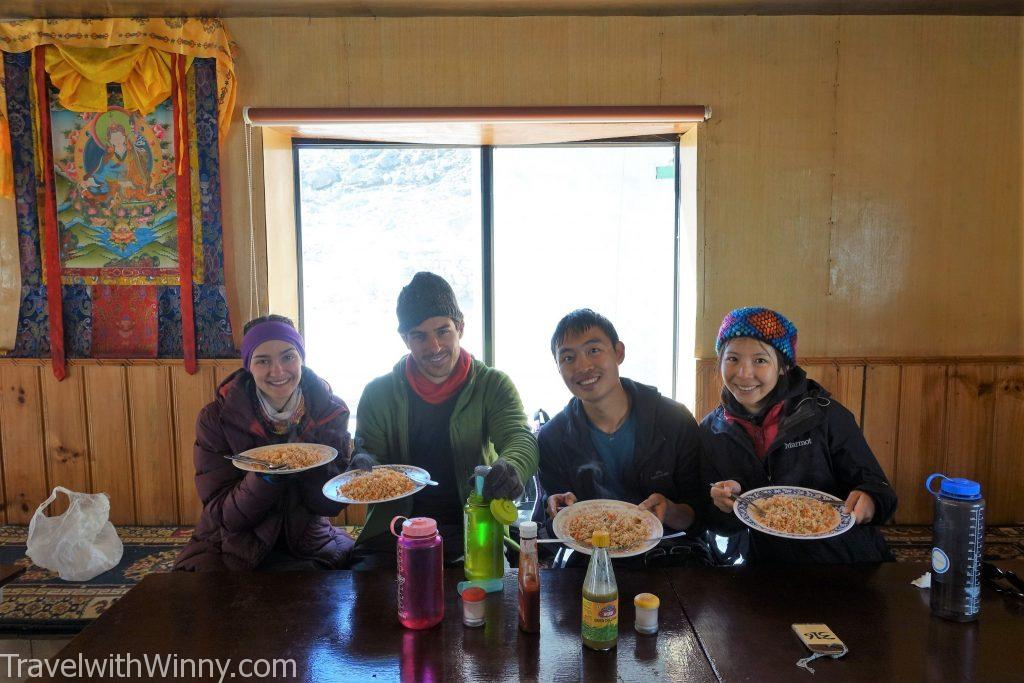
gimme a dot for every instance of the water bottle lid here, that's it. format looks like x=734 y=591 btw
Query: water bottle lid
x=955 y=487
x=528 y=530
x=600 y=539
x=479 y=472
x=419 y=527
x=473 y=594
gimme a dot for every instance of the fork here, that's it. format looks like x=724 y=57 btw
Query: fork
x=734 y=498
x=256 y=461
x=613 y=547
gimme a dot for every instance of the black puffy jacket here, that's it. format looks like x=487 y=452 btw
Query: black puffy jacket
x=666 y=457
x=819 y=446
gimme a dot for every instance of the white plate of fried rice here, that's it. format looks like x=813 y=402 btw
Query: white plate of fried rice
x=298 y=456
x=382 y=484
x=793 y=512
x=628 y=526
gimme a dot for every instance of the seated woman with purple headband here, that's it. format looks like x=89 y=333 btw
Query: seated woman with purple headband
x=259 y=520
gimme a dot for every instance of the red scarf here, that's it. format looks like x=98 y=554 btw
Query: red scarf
x=438 y=393
x=764 y=435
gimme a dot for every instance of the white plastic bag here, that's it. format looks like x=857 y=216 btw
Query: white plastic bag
x=79 y=544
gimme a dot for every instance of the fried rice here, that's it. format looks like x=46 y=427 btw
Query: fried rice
x=626 y=530
x=378 y=484
x=292 y=455
x=796 y=515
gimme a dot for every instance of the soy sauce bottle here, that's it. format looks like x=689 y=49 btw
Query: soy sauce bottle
x=600 y=598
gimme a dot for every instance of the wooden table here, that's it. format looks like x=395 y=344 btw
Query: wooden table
x=342 y=626
x=9 y=572
x=731 y=624
x=743 y=615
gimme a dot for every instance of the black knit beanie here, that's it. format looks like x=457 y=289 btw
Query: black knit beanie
x=427 y=296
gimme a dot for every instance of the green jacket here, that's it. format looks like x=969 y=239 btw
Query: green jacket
x=488 y=422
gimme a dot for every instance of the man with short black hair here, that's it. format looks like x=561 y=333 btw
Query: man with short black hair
x=443 y=411
x=616 y=438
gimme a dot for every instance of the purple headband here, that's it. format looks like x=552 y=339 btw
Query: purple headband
x=271 y=330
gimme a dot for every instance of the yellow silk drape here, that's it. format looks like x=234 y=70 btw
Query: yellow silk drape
x=81 y=74
x=76 y=63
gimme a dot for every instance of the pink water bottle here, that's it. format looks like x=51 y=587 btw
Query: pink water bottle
x=420 y=573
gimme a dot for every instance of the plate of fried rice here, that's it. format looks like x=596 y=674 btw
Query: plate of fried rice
x=629 y=527
x=793 y=512
x=297 y=457
x=379 y=485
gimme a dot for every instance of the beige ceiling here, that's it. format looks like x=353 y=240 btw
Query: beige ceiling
x=13 y=9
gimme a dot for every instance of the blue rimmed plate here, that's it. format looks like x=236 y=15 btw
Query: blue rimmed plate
x=750 y=518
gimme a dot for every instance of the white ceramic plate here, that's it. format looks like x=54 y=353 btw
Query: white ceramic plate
x=332 y=489
x=327 y=454
x=743 y=511
x=560 y=525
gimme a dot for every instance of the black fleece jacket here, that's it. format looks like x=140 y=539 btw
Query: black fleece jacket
x=819 y=446
x=666 y=457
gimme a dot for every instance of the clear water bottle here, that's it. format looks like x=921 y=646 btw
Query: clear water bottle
x=420 y=574
x=958 y=536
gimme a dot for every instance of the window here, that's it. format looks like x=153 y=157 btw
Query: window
x=565 y=226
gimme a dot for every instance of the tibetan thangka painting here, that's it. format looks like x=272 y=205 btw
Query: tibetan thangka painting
x=115 y=188
x=118 y=226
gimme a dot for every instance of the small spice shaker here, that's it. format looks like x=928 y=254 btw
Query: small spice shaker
x=473 y=606
x=646 y=605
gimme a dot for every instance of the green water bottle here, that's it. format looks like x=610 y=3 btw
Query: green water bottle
x=484 y=535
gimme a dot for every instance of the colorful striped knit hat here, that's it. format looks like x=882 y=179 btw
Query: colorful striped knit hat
x=762 y=324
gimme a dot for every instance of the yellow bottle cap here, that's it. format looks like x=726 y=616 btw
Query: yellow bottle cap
x=600 y=539
x=504 y=510
x=646 y=601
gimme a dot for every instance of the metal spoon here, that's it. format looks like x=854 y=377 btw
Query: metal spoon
x=413 y=476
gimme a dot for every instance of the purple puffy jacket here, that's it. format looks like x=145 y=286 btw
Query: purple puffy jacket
x=244 y=515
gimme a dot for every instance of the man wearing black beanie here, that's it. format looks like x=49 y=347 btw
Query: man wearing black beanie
x=441 y=410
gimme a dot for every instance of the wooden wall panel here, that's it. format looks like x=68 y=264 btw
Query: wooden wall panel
x=222 y=370
x=67 y=436
x=970 y=402
x=709 y=388
x=921 y=445
x=904 y=280
x=134 y=426
x=110 y=443
x=827 y=375
x=862 y=185
x=355 y=514
x=880 y=418
x=850 y=389
x=153 y=452
x=1005 y=483
x=190 y=393
x=21 y=431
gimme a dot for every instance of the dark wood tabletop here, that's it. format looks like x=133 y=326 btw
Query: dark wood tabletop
x=342 y=626
x=743 y=617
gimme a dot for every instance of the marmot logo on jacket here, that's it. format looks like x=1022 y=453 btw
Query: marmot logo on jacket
x=798 y=444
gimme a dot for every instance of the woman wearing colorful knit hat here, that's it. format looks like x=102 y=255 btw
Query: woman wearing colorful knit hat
x=257 y=520
x=775 y=426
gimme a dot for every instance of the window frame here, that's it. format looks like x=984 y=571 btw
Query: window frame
x=487 y=219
